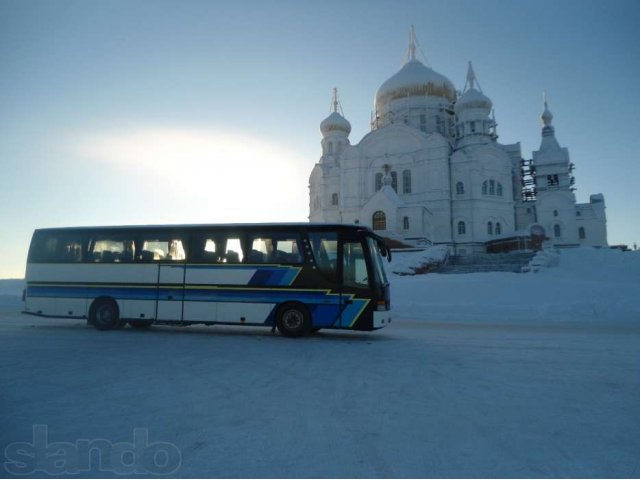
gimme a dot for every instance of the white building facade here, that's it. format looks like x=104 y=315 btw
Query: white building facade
x=431 y=171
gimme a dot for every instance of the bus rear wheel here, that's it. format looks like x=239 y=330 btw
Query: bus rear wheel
x=293 y=320
x=105 y=315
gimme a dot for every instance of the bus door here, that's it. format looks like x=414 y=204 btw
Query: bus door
x=354 y=279
x=170 y=293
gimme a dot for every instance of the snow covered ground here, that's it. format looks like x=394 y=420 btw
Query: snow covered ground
x=480 y=375
x=588 y=286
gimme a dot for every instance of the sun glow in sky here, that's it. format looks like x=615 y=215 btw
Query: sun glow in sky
x=166 y=111
x=200 y=174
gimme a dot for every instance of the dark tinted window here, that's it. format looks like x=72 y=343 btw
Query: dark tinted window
x=325 y=252
x=161 y=247
x=354 y=266
x=110 y=248
x=56 y=247
x=217 y=247
x=275 y=247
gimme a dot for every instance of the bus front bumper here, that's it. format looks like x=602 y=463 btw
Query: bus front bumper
x=381 y=319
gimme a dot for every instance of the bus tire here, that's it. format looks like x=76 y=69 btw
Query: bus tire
x=105 y=314
x=293 y=320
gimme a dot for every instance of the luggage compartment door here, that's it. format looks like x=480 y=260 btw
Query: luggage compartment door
x=170 y=292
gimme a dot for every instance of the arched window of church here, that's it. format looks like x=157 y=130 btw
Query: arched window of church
x=555 y=213
x=334 y=199
x=490 y=228
x=406 y=181
x=405 y=223
x=556 y=231
x=581 y=233
x=394 y=181
x=378 y=181
x=462 y=228
x=492 y=187
x=498 y=228
x=379 y=221
x=484 y=187
x=473 y=127
x=460 y=188
x=499 y=189
x=330 y=147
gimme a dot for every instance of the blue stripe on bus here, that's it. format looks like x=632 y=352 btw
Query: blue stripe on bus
x=274 y=276
x=265 y=275
x=324 y=306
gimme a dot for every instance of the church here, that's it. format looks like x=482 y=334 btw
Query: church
x=431 y=171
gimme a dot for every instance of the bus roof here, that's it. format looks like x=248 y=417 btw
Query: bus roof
x=204 y=226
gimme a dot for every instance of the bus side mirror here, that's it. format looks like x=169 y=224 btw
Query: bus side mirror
x=386 y=251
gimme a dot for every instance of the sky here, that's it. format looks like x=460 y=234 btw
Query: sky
x=151 y=112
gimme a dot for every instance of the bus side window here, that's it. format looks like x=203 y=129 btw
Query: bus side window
x=233 y=252
x=129 y=252
x=111 y=250
x=274 y=247
x=324 y=246
x=154 y=250
x=176 y=251
x=287 y=250
x=206 y=249
x=261 y=250
x=210 y=251
x=163 y=250
x=354 y=267
x=56 y=248
x=215 y=247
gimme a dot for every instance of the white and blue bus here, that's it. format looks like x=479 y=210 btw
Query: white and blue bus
x=296 y=277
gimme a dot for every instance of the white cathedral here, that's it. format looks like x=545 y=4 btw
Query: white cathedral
x=431 y=171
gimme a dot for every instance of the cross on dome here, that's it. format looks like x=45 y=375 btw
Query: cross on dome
x=549 y=141
x=471 y=76
x=335 y=122
x=336 y=106
x=411 y=53
x=414 y=47
x=547 y=116
x=471 y=79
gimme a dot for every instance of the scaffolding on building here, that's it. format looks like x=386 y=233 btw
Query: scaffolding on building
x=528 y=180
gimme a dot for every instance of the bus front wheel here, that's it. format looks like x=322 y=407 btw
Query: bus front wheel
x=293 y=320
x=105 y=315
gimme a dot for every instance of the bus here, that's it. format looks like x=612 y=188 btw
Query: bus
x=298 y=278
